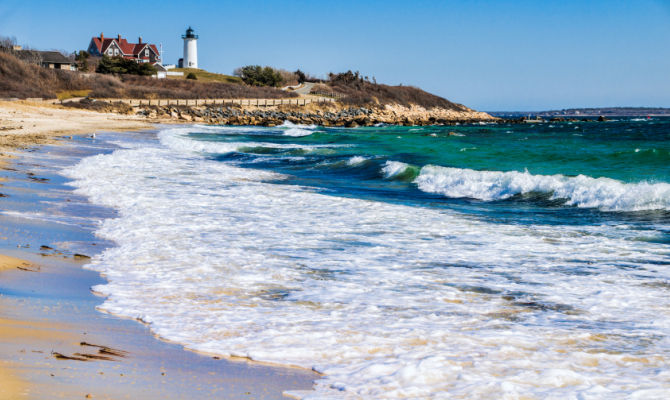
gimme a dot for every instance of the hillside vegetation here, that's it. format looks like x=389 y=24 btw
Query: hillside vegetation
x=22 y=80
x=141 y=87
x=351 y=88
x=205 y=76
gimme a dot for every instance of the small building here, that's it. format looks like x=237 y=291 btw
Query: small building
x=119 y=47
x=56 y=60
x=47 y=59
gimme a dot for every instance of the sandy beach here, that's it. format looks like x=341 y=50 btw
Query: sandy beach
x=24 y=124
x=53 y=341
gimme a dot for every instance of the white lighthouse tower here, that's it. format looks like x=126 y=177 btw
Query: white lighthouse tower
x=190 y=49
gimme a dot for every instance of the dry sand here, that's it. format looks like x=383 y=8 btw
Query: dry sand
x=7 y=262
x=24 y=124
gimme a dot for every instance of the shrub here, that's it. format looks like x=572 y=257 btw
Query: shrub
x=120 y=65
x=82 y=60
x=191 y=75
x=301 y=76
x=287 y=77
x=259 y=76
x=101 y=106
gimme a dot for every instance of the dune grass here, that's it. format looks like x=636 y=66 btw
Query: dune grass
x=205 y=76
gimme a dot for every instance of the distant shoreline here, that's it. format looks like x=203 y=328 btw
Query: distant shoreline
x=590 y=112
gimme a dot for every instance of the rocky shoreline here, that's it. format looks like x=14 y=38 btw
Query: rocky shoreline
x=331 y=114
x=324 y=115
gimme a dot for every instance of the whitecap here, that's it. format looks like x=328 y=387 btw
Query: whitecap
x=177 y=139
x=581 y=191
x=296 y=130
x=356 y=160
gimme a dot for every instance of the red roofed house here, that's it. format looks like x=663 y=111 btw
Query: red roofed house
x=119 y=47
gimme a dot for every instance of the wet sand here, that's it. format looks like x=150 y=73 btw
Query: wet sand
x=53 y=342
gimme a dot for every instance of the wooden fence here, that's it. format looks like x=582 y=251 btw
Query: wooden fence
x=302 y=101
x=242 y=102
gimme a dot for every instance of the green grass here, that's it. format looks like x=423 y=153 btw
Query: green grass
x=205 y=76
x=69 y=94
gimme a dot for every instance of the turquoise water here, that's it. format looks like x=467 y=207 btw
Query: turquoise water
x=629 y=151
x=626 y=150
x=478 y=261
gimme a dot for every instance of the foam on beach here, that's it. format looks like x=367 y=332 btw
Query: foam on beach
x=387 y=300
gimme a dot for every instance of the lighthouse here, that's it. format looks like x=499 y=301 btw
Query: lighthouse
x=190 y=49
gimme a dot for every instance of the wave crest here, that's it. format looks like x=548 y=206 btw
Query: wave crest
x=581 y=191
x=296 y=130
x=399 y=170
x=356 y=160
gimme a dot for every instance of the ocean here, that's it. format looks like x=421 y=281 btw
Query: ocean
x=471 y=261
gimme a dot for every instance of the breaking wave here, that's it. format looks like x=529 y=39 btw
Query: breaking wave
x=580 y=191
x=297 y=130
x=177 y=139
x=399 y=170
x=356 y=160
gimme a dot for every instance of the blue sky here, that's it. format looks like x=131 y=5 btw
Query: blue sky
x=489 y=55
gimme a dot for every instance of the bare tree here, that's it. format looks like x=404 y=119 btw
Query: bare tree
x=7 y=43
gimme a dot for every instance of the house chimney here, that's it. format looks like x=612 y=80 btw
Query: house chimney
x=118 y=37
x=102 y=37
x=139 y=40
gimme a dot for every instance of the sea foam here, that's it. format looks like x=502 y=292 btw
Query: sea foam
x=388 y=301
